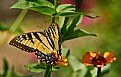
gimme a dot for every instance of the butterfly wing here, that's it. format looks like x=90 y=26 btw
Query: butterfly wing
x=31 y=42
x=54 y=34
x=44 y=42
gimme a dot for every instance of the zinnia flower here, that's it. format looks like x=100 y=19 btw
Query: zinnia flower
x=95 y=59
x=68 y=2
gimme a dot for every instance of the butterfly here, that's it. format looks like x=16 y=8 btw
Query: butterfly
x=42 y=43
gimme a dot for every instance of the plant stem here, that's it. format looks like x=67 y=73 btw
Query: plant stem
x=48 y=71
x=53 y=19
x=99 y=72
x=14 y=26
x=18 y=20
x=55 y=5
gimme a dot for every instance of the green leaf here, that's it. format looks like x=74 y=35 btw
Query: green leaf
x=66 y=52
x=79 y=19
x=93 y=72
x=55 y=68
x=75 y=63
x=67 y=14
x=64 y=26
x=79 y=70
x=5 y=68
x=75 y=74
x=74 y=23
x=78 y=33
x=44 y=10
x=67 y=29
x=41 y=6
x=37 y=68
x=81 y=73
x=29 y=4
x=12 y=73
x=65 y=8
x=3 y=27
x=23 y=5
x=105 y=70
x=62 y=22
x=88 y=74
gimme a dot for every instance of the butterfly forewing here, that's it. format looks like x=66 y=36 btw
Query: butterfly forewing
x=31 y=41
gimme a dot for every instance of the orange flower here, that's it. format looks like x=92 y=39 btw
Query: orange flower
x=62 y=61
x=95 y=59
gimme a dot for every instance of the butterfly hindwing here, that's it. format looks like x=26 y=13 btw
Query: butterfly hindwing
x=53 y=32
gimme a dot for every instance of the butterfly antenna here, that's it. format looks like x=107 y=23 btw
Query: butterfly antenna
x=39 y=26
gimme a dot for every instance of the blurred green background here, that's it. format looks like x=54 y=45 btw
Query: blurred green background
x=107 y=27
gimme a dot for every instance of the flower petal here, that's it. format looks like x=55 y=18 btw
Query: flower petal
x=110 y=57
x=94 y=54
x=62 y=62
x=86 y=59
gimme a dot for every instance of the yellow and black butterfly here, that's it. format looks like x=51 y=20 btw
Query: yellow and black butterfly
x=43 y=43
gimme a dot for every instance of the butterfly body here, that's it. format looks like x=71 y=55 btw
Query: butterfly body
x=46 y=45
x=48 y=59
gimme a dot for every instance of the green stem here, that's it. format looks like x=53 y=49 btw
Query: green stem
x=18 y=20
x=99 y=72
x=55 y=5
x=48 y=71
x=14 y=26
x=53 y=19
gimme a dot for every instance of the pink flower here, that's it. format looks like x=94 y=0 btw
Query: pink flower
x=87 y=5
x=68 y=2
x=87 y=21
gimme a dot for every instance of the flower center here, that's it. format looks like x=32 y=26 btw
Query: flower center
x=99 y=60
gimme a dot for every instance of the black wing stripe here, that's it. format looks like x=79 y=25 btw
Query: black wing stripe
x=50 y=30
x=37 y=36
x=21 y=46
x=24 y=36
x=19 y=39
x=30 y=37
x=50 y=41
